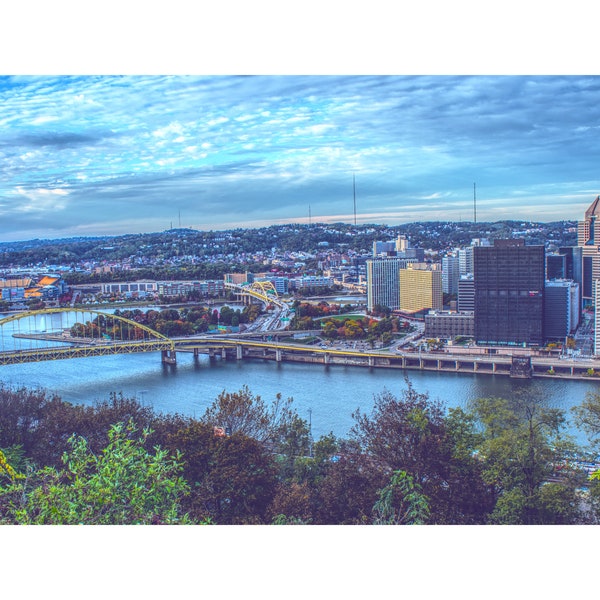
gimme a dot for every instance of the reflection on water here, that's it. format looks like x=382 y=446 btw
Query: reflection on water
x=331 y=392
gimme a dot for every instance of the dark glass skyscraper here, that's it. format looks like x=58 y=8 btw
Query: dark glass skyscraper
x=509 y=293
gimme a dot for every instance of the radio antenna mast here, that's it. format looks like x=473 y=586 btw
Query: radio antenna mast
x=474 y=205
x=354 y=191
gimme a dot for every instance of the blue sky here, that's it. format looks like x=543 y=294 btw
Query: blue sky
x=103 y=154
x=94 y=155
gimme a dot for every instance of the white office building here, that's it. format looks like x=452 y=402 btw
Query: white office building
x=383 y=281
x=450 y=274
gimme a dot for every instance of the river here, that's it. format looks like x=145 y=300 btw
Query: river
x=327 y=395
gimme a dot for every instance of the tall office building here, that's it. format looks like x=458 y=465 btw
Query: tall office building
x=465 y=260
x=466 y=293
x=556 y=266
x=402 y=244
x=588 y=239
x=561 y=309
x=420 y=289
x=383 y=282
x=465 y=255
x=450 y=274
x=597 y=317
x=573 y=263
x=509 y=293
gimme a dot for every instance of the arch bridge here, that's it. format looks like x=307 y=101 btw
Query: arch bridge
x=58 y=333
x=262 y=290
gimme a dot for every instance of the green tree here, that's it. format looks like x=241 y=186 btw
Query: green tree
x=587 y=418
x=347 y=488
x=401 y=502
x=414 y=434
x=123 y=484
x=522 y=444
x=246 y=413
x=232 y=477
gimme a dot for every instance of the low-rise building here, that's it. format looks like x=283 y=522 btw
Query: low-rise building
x=448 y=325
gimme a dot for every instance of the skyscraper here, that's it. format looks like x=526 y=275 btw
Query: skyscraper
x=450 y=274
x=509 y=293
x=383 y=282
x=556 y=266
x=466 y=293
x=420 y=289
x=588 y=239
x=561 y=309
x=465 y=260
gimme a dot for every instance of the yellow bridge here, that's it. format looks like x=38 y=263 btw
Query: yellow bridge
x=59 y=333
x=54 y=334
x=261 y=290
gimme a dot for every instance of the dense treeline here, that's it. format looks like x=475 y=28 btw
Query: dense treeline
x=218 y=251
x=245 y=461
x=168 y=321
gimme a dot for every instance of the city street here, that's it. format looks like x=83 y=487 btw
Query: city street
x=584 y=337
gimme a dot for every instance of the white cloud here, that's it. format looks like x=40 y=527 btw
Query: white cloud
x=44 y=119
x=217 y=121
x=40 y=199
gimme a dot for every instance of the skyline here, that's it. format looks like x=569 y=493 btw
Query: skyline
x=109 y=155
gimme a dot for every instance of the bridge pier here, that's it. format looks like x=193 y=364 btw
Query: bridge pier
x=278 y=355
x=223 y=353
x=169 y=357
x=371 y=361
x=326 y=358
x=239 y=353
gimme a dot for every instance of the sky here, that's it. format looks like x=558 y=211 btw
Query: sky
x=109 y=152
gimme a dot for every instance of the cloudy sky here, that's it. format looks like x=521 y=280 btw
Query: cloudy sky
x=94 y=155
x=284 y=122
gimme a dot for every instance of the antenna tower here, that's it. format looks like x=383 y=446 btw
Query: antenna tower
x=354 y=192
x=474 y=205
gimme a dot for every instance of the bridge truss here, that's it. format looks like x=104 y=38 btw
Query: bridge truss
x=261 y=290
x=59 y=333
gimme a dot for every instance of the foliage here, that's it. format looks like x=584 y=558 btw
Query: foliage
x=232 y=477
x=522 y=444
x=414 y=434
x=285 y=520
x=407 y=460
x=42 y=424
x=123 y=484
x=587 y=417
x=246 y=413
x=348 y=487
x=401 y=502
x=7 y=470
